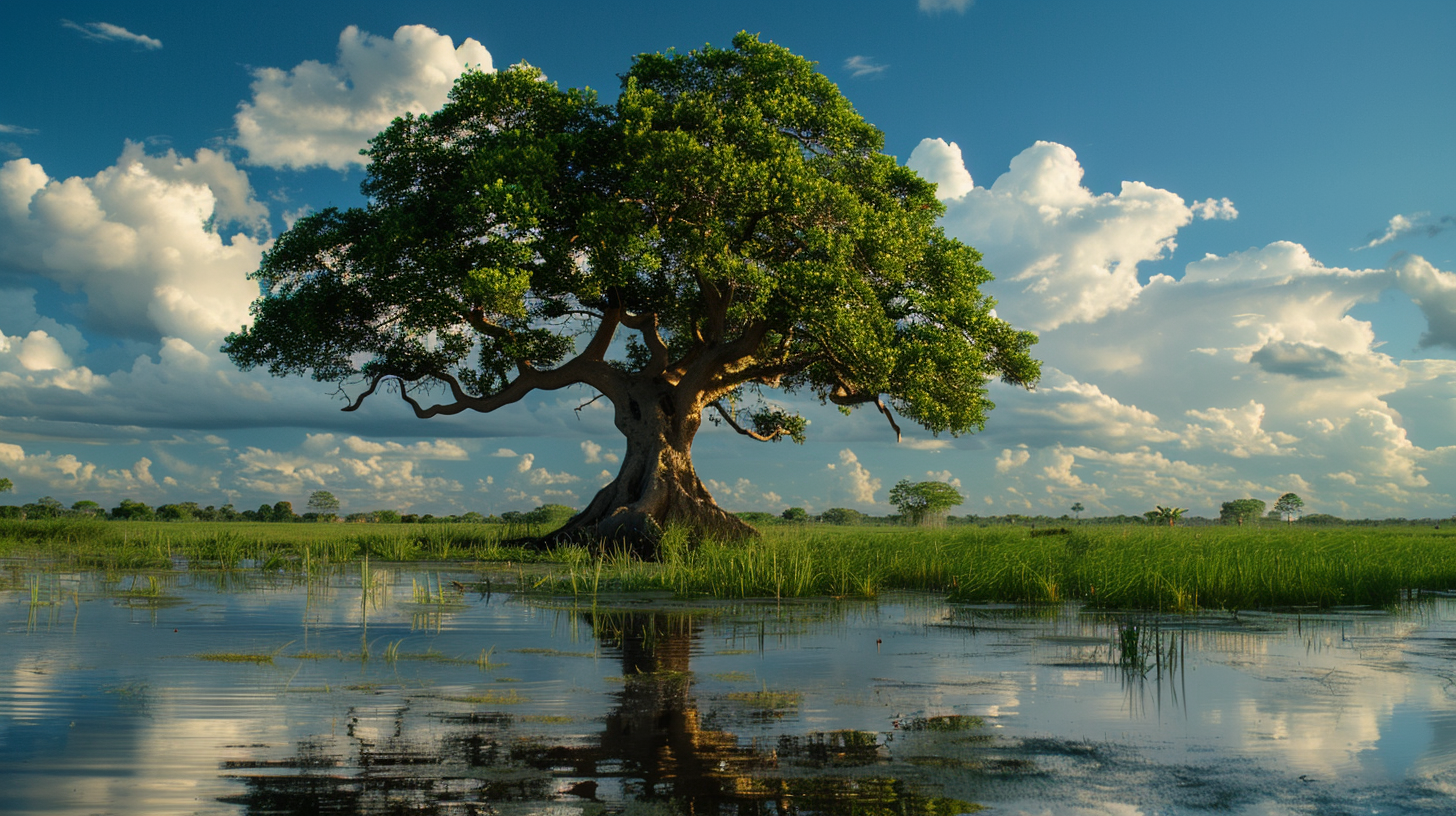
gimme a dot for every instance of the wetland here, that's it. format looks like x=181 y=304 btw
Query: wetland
x=464 y=687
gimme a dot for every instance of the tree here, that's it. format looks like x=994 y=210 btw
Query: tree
x=1077 y=509
x=549 y=515
x=130 y=510
x=177 y=512
x=922 y=501
x=86 y=507
x=6 y=485
x=841 y=515
x=1288 y=506
x=45 y=507
x=283 y=511
x=731 y=212
x=796 y=514
x=1240 y=510
x=324 y=503
x=1169 y=514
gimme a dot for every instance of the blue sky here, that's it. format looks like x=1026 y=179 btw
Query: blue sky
x=1232 y=225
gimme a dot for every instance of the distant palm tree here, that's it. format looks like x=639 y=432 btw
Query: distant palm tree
x=1170 y=514
x=1077 y=509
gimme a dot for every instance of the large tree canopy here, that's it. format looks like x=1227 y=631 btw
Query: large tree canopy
x=731 y=213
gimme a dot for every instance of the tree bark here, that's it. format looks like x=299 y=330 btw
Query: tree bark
x=657 y=485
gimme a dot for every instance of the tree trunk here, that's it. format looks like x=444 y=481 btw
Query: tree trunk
x=657 y=485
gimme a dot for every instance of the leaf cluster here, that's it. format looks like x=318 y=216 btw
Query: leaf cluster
x=732 y=209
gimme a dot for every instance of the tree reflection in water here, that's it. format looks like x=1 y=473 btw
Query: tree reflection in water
x=652 y=749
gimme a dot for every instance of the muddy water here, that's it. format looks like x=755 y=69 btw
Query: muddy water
x=397 y=691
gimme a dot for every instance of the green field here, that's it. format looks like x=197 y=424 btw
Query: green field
x=1142 y=567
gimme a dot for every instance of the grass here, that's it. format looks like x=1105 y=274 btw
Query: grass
x=133 y=545
x=1156 y=568
x=1135 y=567
x=236 y=657
x=765 y=699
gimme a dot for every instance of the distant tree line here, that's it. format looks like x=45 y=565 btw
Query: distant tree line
x=322 y=508
x=920 y=503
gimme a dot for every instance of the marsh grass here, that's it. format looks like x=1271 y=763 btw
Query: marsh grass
x=1155 y=568
x=946 y=723
x=765 y=700
x=236 y=657
x=128 y=545
x=507 y=697
x=1136 y=567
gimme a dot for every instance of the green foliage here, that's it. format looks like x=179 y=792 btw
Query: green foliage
x=1077 y=509
x=731 y=208
x=796 y=514
x=324 y=503
x=921 y=501
x=1288 y=506
x=841 y=515
x=6 y=485
x=1178 y=570
x=1167 y=515
x=176 y=512
x=1239 y=511
x=282 y=511
x=549 y=515
x=130 y=510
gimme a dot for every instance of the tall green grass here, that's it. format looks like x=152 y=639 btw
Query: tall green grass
x=194 y=545
x=1115 y=567
x=1135 y=567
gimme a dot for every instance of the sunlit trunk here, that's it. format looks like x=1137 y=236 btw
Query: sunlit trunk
x=657 y=485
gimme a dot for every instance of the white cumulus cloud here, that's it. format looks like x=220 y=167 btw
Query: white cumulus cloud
x=140 y=240
x=323 y=114
x=1061 y=253
x=856 y=479
x=942 y=163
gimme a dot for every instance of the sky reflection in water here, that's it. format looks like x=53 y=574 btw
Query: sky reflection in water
x=407 y=697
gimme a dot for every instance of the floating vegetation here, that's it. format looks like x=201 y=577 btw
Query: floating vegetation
x=236 y=657
x=766 y=700
x=546 y=719
x=508 y=697
x=553 y=652
x=948 y=722
x=733 y=677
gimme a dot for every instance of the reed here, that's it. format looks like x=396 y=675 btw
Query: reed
x=1171 y=570
x=124 y=545
x=1134 y=567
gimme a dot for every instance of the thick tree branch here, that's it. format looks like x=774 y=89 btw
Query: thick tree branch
x=842 y=395
x=646 y=324
x=476 y=318
x=879 y=403
x=748 y=432
x=589 y=368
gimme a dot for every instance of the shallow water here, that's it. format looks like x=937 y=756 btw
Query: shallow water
x=244 y=692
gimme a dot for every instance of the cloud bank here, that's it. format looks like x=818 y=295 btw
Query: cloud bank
x=323 y=114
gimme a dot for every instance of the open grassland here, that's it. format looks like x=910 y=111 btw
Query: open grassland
x=1134 y=567
x=228 y=545
x=1117 y=567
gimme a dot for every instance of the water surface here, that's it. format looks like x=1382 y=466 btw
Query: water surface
x=405 y=689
